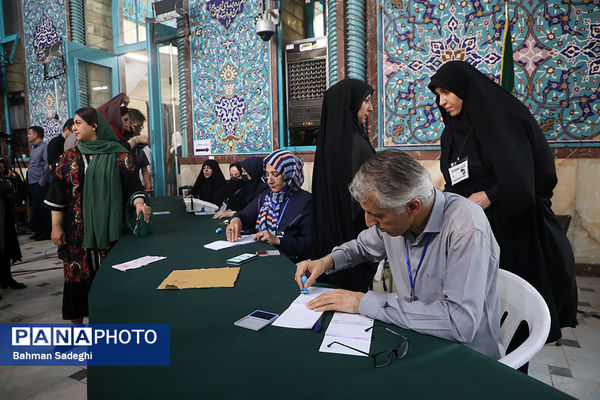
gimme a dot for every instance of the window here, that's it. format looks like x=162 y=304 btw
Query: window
x=94 y=84
x=132 y=20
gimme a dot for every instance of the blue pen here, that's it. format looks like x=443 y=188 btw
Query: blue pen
x=318 y=323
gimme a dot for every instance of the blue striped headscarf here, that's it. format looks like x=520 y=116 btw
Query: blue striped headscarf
x=290 y=166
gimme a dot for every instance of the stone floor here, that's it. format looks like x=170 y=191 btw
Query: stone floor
x=573 y=367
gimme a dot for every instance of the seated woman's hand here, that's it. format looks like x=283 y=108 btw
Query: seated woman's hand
x=223 y=214
x=234 y=229
x=266 y=236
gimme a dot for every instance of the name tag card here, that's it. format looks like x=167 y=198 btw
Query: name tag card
x=459 y=171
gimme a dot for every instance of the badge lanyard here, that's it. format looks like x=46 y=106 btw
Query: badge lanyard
x=462 y=147
x=413 y=281
x=281 y=214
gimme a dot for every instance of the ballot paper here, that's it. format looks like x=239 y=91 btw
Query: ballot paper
x=297 y=316
x=223 y=244
x=350 y=330
x=137 y=263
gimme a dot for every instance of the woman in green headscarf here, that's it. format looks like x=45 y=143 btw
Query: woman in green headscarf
x=93 y=184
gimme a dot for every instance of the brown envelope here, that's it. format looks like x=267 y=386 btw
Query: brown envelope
x=200 y=278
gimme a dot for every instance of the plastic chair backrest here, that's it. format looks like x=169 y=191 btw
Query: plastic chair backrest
x=521 y=302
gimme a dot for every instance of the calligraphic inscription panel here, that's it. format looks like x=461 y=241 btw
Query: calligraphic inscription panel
x=44 y=24
x=556 y=49
x=231 y=77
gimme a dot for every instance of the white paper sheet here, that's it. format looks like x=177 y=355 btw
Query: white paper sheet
x=199 y=207
x=137 y=263
x=350 y=330
x=297 y=316
x=224 y=244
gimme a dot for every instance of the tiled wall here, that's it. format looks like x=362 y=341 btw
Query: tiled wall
x=231 y=77
x=556 y=48
x=44 y=23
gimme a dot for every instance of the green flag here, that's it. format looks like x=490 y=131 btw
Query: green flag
x=507 y=73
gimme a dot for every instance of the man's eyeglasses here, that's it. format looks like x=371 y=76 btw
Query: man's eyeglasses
x=383 y=358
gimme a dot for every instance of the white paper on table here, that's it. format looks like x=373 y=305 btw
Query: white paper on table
x=199 y=206
x=137 y=263
x=350 y=330
x=224 y=244
x=297 y=316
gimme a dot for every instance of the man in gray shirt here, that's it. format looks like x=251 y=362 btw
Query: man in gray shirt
x=37 y=177
x=442 y=254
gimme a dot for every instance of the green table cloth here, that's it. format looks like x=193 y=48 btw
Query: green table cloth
x=213 y=359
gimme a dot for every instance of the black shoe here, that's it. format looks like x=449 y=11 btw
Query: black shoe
x=16 y=285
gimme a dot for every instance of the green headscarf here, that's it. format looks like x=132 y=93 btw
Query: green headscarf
x=102 y=197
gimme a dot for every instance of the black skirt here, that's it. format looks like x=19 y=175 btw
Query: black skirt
x=75 y=299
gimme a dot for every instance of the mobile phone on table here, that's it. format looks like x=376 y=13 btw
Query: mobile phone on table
x=256 y=320
x=242 y=258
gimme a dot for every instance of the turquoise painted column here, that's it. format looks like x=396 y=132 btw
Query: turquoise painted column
x=155 y=114
x=332 y=41
x=76 y=14
x=182 y=87
x=280 y=95
x=356 y=39
x=310 y=19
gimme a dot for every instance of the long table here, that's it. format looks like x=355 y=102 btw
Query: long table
x=211 y=358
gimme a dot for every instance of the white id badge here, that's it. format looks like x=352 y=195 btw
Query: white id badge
x=459 y=171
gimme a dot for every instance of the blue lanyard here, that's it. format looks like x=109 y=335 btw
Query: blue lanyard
x=412 y=282
x=281 y=213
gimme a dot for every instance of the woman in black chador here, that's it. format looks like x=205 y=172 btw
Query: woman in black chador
x=209 y=184
x=342 y=148
x=495 y=154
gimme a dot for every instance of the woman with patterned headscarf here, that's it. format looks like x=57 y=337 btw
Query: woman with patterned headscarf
x=281 y=214
x=93 y=183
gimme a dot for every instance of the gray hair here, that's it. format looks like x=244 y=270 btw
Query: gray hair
x=394 y=178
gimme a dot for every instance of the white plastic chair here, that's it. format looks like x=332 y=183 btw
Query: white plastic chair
x=521 y=302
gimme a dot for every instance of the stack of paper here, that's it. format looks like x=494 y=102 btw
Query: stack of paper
x=350 y=330
x=297 y=316
x=138 y=262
